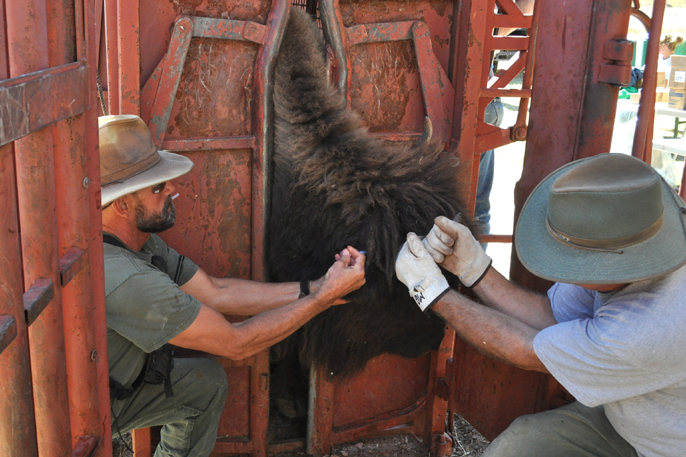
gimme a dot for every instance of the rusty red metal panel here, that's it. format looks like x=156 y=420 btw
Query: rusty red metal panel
x=30 y=102
x=17 y=425
x=157 y=38
x=129 y=56
x=213 y=222
x=27 y=48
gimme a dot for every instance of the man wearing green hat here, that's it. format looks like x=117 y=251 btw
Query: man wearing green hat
x=612 y=234
x=155 y=296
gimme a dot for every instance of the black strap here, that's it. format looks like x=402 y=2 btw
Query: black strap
x=117 y=390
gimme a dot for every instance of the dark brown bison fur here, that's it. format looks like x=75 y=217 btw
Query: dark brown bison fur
x=336 y=185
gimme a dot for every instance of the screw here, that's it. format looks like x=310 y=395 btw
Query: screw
x=86 y=182
x=94 y=355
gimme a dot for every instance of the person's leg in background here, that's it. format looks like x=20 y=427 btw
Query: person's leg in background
x=482 y=211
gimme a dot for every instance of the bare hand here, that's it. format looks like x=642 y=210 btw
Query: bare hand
x=346 y=275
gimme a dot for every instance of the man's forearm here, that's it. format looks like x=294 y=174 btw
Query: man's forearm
x=490 y=331
x=211 y=333
x=243 y=297
x=528 y=307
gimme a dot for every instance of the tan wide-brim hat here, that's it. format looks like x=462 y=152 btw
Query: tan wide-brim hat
x=607 y=219
x=130 y=161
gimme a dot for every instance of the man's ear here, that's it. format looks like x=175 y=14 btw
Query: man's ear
x=123 y=206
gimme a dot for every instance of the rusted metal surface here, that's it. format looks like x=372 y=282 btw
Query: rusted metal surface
x=129 y=56
x=643 y=138
x=27 y=48
x=37 y=298
x=43 y=173
x=17 y=424
x=33 y=101
x=209 y=97
x=8 y=331
x=387 y=65
x=71 y=263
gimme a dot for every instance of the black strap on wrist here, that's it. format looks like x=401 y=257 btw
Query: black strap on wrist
x=490 y=264
x=304 y=288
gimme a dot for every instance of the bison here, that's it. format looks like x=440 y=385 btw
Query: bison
x=334 y=185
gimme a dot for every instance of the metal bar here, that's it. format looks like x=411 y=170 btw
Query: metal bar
x=93 y=243
x=37 y=298
x=495 y=238
x=379 y=33
x=506 y=21
x=8 y=331
x=527 y=80
x=431 y=83
x=263 y=124
x=28 y=45
x=128 y=33
x=508 y=75
x=170 y=79
x=509 y=7
x=227 y=29
x=112 y=43
x=643 y=138
x=141 y=442
x=34 y=101
x=236 y=142
x=333 y=30
x=71 y=263
x=509 y=43
x=72 y=211
x=490 y=92
x=17 y=423
x=320 y=412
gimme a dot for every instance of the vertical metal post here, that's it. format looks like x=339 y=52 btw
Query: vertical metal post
x=17 y=423
x=94 y=236
x=27 y=43
x=643 y=138
x=111 y=46
x=128 y=32
x=72 y=210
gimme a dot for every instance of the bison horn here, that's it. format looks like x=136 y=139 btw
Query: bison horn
x=428 y=132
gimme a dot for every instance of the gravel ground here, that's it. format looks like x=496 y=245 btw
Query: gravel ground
x=468 y=442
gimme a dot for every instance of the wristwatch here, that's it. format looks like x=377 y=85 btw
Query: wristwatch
x=304 y=288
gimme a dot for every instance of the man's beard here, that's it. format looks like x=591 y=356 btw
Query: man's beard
x=154 y=223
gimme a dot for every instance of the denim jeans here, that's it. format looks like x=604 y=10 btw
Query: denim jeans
x=190 y=417
x=482 y=211
x=573 y=430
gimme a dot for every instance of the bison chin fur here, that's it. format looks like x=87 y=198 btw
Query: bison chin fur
x=336 y=185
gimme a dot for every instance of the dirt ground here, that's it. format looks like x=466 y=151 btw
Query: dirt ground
x=467 y=442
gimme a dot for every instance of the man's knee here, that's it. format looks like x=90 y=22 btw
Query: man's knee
x=516 y=440
x=211 y=377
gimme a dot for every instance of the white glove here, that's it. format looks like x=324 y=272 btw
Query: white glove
x=416 y=269
x=452 y=246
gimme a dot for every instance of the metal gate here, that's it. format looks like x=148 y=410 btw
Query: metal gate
x=199 y=73
x=54 y=399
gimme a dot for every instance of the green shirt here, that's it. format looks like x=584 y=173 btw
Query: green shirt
x=145 y=308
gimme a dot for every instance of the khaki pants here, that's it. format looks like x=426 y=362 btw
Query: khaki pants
x=190 y=418
x=571 y=431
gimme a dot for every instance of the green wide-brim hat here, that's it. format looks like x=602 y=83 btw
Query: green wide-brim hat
x=607 y=219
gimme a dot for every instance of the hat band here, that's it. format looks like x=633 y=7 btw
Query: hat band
x=611 y=245
x=132 y=170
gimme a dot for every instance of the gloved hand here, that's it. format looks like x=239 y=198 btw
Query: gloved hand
x=416 y=269
x=452 y=246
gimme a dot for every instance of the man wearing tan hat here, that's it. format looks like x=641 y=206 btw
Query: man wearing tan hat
x=155 y=296
x=611 y=330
